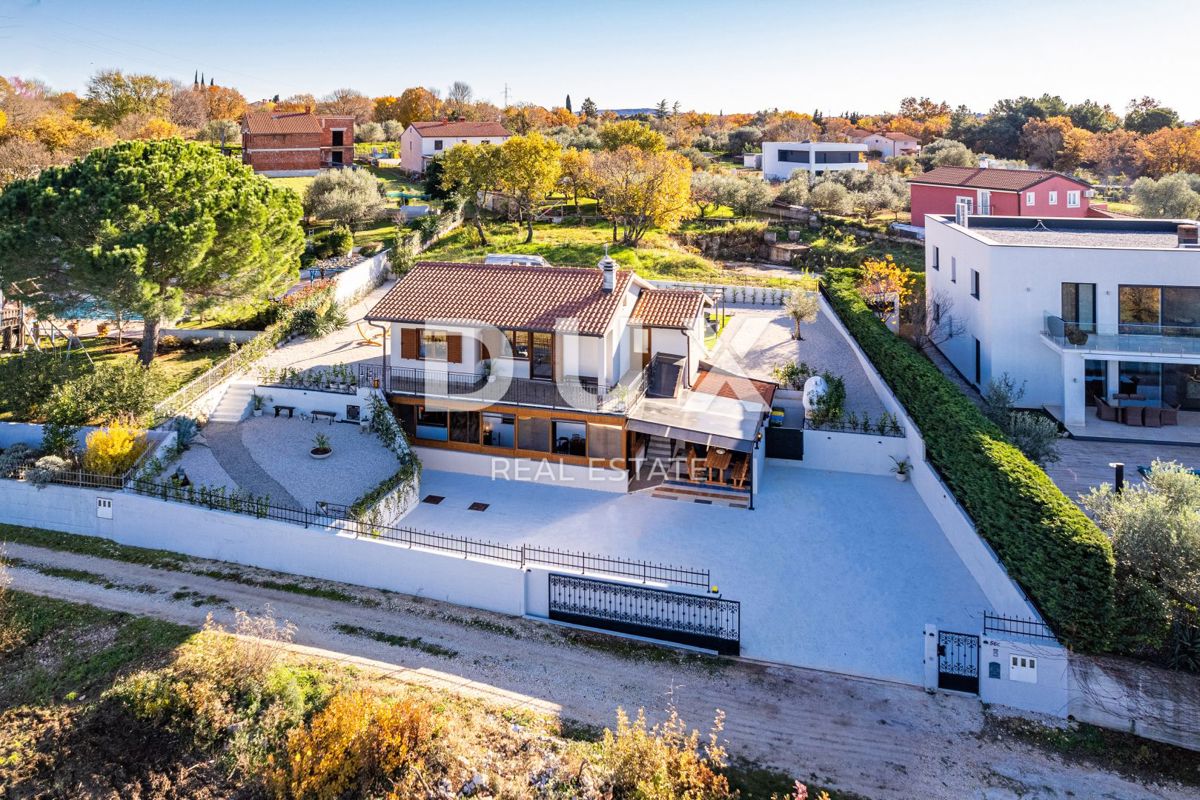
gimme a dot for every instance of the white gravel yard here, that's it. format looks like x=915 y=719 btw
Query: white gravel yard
x=202 y=468
x=269 y=456
x=281 y=447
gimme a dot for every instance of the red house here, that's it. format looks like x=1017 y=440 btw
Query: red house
x=1000 y=192
x=296 y=143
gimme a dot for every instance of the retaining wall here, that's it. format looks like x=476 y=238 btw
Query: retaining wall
x=359 y=281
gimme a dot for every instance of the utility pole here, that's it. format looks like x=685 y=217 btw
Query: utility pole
x=506 y=94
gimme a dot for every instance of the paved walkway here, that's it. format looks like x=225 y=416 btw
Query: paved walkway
x=756 y=340
x=224 y=441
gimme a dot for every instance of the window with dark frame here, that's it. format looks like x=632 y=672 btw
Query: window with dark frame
x=937 y=258
x=518 y=342
x=975 y=284
x=437 y=144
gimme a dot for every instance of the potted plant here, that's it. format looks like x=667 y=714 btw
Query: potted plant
x=902 y=468
x=1076 y=336
x=321 y=448
x=258 y=404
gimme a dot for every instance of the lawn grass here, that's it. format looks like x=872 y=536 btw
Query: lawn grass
x=658 y=257
x=297 y=183
x=176 y=365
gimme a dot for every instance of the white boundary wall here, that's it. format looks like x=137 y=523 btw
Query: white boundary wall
x=358 y=281
x=316 y=553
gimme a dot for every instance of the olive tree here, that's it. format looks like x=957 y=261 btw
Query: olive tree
x=163 y=225
x=348 y=196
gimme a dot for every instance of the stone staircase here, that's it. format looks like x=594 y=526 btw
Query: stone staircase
x=235 y=404
x=705 y=494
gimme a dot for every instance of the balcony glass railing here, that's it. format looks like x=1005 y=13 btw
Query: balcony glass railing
x=1122 y=337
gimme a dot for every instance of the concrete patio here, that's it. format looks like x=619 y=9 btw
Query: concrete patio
x=1187 y=432
x=834 y=571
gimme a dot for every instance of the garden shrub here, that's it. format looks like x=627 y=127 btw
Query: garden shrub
x=45 y=469
x=661 y=762
x=115 y=449
x=1061 y=559
x=359 y=745
x=341 y=240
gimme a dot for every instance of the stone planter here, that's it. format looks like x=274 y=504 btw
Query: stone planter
x=902 y=476
x=258 y=412
x=321 y=454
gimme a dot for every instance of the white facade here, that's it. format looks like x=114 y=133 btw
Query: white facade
x=416 y=148
x=998 y=284
x=781 y=159
x=890 y=148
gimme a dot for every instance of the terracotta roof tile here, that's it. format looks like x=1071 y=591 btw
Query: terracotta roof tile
x=734 y=387
x=445 y=128
x=506 y=296
x=1011 y=180
x=668 y=308
x=896 y=136
x=266 y=122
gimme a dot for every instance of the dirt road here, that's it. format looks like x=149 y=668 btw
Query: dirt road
x=880 y=740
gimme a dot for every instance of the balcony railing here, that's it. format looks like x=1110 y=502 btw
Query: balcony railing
x=570 y=394
x=1168 y=340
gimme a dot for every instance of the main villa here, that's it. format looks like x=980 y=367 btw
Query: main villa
x=594 y=371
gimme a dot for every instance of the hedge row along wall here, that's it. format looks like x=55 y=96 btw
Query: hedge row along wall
x=1049 y=546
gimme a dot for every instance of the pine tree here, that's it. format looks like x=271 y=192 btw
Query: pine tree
x=569 y=104
x=588 y=109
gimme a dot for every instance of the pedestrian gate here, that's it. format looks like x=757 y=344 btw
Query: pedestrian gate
x=958 y=661
x=708 y=622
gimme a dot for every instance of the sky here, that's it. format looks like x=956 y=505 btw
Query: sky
x=731 y=56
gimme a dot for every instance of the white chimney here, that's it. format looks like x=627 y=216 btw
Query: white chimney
x=984 y=163
x=609 y=269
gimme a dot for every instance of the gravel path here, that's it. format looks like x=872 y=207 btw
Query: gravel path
x=877 y=739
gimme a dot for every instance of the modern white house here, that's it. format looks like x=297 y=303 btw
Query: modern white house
x=1098 y=318
x=890 y=144
x=423 y=141
x=781 y=159
x=572 y=375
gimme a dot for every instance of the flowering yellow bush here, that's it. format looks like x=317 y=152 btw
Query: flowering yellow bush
x=113 y=450
x=359 y=745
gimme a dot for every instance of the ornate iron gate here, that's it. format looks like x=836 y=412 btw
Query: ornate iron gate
x=958 y=661
x=708 y=622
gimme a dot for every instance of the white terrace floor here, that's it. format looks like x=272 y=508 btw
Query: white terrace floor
x=834 y=571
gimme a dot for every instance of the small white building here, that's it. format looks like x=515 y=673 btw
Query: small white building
x=781 y=159
x=1076 y=309
x=422 y=141
x=890 y=144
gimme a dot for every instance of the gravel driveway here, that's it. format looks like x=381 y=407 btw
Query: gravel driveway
x=877 y=739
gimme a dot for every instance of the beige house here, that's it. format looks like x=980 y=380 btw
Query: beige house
x=423 y=141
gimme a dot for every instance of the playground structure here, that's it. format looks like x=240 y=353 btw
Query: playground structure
x=12 y=329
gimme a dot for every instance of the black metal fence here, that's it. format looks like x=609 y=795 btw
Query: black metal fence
x=334 y=517
x=709 y=622
x=1016 y=626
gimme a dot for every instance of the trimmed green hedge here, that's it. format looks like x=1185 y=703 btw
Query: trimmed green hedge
x=1049 y=546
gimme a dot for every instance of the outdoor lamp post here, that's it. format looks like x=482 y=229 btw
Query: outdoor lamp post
x=1118 y=475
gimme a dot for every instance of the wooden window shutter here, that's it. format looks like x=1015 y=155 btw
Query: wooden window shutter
x=410 y=343
x=454 y=348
